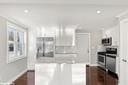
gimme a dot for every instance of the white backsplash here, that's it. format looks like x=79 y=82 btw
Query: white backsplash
x=65 y=49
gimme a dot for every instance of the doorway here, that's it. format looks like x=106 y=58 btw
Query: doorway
x=83 y=48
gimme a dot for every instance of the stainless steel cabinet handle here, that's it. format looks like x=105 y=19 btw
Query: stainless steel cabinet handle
x=124 y=60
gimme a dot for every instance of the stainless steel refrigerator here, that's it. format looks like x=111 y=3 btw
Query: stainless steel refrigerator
x=45 y=47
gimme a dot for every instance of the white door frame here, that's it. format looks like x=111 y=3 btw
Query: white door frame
x=89 y=47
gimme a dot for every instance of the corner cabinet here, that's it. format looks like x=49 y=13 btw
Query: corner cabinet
x=16 y=42
x=65 y=37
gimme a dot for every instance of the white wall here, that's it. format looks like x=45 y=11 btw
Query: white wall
x=11 y=70
x=95 y=42
x=32 y=34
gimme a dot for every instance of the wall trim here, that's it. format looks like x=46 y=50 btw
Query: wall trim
x=16 y=77
x=30 y=70
x=93 y=65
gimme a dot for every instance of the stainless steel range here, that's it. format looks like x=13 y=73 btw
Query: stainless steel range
x=111 y=55
x=102 y=59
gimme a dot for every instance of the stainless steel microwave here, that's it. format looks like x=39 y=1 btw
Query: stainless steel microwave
x=107 y=41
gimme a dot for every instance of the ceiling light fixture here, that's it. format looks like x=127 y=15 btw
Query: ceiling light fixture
x=26 y=11
x=98 y=12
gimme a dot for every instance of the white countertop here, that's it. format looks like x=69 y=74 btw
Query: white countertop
x=60 y=74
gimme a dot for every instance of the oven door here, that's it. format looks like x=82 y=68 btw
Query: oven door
x=111 y=63
x=101 y=59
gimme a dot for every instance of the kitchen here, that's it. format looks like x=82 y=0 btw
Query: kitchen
x=108 y=58
x=90 y=39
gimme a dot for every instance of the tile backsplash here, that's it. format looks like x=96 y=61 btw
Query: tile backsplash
x=65 y=49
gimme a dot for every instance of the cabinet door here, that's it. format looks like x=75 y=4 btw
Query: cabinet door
x=124 y=52
x=65 y=37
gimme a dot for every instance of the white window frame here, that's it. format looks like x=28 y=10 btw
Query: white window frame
x=17 y=29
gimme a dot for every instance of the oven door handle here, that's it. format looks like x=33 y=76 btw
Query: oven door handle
x=111 y=56
x=101 y=55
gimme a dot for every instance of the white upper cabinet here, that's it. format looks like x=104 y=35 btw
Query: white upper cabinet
x=65 y=37
x=114 y=33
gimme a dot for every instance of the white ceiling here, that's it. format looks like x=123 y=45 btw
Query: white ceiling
x=44 y=15
x=94 y=2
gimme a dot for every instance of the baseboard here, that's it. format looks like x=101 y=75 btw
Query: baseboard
x=93 y=65
x=31 y=71
x=16 y=77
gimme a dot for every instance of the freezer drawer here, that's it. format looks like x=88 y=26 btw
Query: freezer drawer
x=111 y=64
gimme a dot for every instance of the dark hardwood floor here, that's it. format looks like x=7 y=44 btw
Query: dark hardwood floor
x=27 y=78
x=95 y=76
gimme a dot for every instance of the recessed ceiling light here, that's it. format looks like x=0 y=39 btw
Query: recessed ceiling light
x=26 y=11
x=98 y=12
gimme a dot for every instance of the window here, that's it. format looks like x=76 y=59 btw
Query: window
x=20 y=43
x=16 y=42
